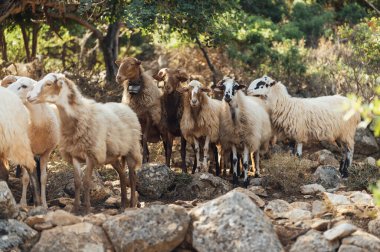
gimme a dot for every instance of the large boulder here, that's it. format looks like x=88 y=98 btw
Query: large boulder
x=314 y=241
x=231 y=222
x=207 y=186
x=365 y=142
x=363 y=240
x=79 y=237
x=156 y=228
x=327 y=176
x=8 y=207
x=154 y=180
x=15 y=234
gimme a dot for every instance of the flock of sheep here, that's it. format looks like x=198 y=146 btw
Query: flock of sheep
x=37 y=116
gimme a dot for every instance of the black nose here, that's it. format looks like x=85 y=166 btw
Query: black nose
x=227 y=98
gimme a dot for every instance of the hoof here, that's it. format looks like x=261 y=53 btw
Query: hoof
x=257 y=175
x=246 y=184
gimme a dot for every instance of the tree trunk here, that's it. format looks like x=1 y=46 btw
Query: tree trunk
x=26 y=42
x=3 y=45
x=110 y=47
x=210 y=65
x=35 y=30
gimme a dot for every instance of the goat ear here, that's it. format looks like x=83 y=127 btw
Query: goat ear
x=118 y=62
x=241 y=86
x=182 y=89
x=205 y=89
x=138 y=62
x=182 y=75
x=272 y=83
x=160 y=75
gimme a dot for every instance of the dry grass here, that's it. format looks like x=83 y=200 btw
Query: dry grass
x=287 y=173
x=361 y=176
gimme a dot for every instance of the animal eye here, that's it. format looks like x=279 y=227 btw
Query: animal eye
x=49 y=83
x=24 y=86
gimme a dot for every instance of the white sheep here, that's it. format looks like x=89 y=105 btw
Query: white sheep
x=43 y=132
x=245 y=124
x=200 y=119
x=310 y=119
x=95 y=133
x=14 y=140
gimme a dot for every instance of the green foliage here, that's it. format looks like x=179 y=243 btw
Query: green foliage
x=351 y=13
x=273 y=9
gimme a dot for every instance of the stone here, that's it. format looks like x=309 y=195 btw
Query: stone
x=231 y=222
x=340 y=231
x=39 y=210
x=298 y=215
x=277 y=209
x=113 y=202
x=361 y=198
x=96 y=219
x=36 y=219
x=324 y=157
x=301 y=205
x=320 y=224
x=43 y=226
x=370 y=160
x=327 y=176
x=8 y=207
x=256 y=181
x=363 y=240
x=334 y=200
x=318 y=208
x=312 y=189
x=15 y=234
x=256 y=199
x=79 y=237
x=153 y=180
x=351 y=248
x=206 y=186
x=62 y=218
x=258 y=190
x=156 y=228
x=365 y=142
x=374 y=227
x=313 y=241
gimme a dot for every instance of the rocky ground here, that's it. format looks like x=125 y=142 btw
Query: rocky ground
x=298 y=205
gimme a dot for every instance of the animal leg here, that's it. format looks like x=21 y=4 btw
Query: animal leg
x=43 y=164
x=299 y=150
x=169 y=148
x=77 y=184
x=217 y=159
x=120 y=169
x=183 y=154
x=245 y=165
x=145 y=140
x=257 y=165
x=87 y=179
x=132 y=166
x=197 y=154
x=204 y=167
x=235 y=180
x=25 y=183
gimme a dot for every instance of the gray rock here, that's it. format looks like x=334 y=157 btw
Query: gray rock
x=351 y=248
x=8 y=207
x=79 y=237
x=277 y=209
x=361 y=199
x=324 y=157
x=313 y=241
x=370 y=160
x=327 y=176
x=363 y=240
x=374 y=227
x=258 y=190
x=318 y=208
x=256 y=199
x=231 y=222
x=320 y=224
x=340 y=231
x=256 y=181
x=297 y=214
x=312 y=189
x=207 y=186
x=157 y=228
x=15 y=234
x=301 y=205
x=365 y=142
x=154 y=180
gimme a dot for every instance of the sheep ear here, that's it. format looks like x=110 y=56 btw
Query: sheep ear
x=182 y=89
x=272 y=83
x=118 y=62
x=182 y=75
x=160 y=75
x=240 y=86
x=205 y=89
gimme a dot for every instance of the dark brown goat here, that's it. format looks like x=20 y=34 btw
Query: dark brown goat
x=171 y=109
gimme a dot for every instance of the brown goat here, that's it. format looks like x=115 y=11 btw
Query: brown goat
x=172 y=109
x=143 y=96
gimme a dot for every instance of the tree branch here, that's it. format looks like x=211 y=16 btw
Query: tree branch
x=372 y=6
x=80 y=21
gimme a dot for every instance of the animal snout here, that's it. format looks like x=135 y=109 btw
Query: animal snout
x=227 y=98
x=119 y=78
x=30 y=98
x=193 y=101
